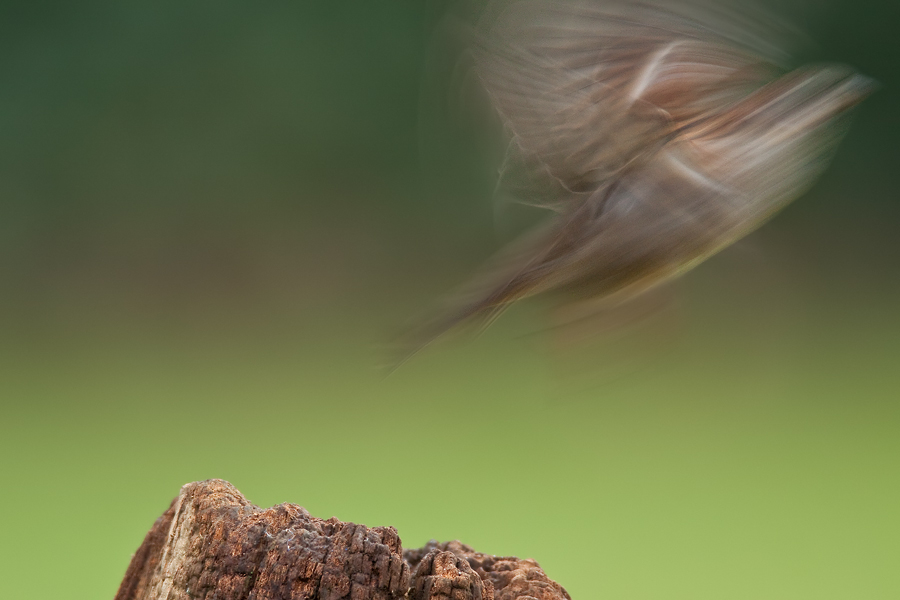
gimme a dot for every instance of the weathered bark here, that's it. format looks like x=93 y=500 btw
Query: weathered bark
x=213 y=544
x=502 y=577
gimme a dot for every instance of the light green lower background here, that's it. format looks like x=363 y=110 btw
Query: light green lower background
x=757 y=457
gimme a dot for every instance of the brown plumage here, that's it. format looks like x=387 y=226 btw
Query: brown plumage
x=671 y=129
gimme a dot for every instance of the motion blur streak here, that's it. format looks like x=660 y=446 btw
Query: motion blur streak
x=666 y=132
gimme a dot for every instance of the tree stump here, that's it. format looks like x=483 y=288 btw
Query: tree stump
x=213 y=544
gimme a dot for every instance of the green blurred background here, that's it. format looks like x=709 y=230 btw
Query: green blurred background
x=212 y=214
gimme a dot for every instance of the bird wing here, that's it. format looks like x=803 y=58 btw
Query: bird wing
x=587 y=88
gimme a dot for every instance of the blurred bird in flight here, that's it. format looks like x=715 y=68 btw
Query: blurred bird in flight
x=663 y=130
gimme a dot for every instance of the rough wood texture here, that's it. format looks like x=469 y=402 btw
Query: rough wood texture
x=500 y=577
x=213 y=544
x=446 y=576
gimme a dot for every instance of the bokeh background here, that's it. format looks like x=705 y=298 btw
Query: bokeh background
x=213 y=213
